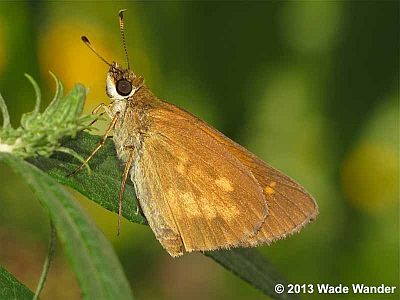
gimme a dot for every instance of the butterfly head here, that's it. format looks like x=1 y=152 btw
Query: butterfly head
x=121 y=83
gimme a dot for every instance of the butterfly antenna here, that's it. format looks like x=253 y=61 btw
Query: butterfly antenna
x=87 y=43
x=121 y=28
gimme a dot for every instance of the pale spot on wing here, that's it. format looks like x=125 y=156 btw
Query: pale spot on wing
x=224 y=184
x=180 y=168
x=198 y=172
x=185 y=201
x=269 y=190
x=208 y=211
x=190 y=205
x=182 y=156
x=229 y=213
x=208 y=208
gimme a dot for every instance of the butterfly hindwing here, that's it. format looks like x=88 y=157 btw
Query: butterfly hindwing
x=290 y=206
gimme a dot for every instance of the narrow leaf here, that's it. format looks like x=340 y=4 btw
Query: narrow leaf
x=52 y=107
x=66 y=108
x=59 y=88
x=251 y=266
x=38 y=95
x=103 y=186
x=28 y=117
x=75 y=155
x=47 y=263
x=4 y=112
x=11 y=288
x=92 y=258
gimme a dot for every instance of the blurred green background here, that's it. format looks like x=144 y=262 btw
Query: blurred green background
x=310 y=87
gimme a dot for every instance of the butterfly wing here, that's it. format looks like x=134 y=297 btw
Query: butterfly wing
x=201 y=191
x=190 y=184
x=290 y=206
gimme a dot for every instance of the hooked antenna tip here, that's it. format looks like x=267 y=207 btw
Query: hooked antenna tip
x=121 y=12
x=85 y=39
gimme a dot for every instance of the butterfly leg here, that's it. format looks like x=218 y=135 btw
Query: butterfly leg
x=102 y=106
x=101 y=144
x=123 y=183
x=97 y=108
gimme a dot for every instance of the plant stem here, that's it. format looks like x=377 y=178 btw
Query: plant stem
x=47 y=262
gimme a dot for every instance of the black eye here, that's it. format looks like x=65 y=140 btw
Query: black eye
x=124 y=87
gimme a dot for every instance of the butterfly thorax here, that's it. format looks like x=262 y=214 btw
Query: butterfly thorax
x=131 y=101
x=133 y=121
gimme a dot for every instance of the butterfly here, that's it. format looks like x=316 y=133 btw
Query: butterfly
x=198 y=189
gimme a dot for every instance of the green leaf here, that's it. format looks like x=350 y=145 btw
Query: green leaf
x=57 y=96
x=40 y=133
x=28 y=117
x=103 y=187
x=92 y=258
x=11 y=288
x=4 y=113
x=251 y=266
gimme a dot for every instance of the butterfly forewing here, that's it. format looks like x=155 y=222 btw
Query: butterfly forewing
x=213 y=192
x=215 y=201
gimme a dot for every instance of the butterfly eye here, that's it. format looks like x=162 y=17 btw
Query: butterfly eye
x=124 y=87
